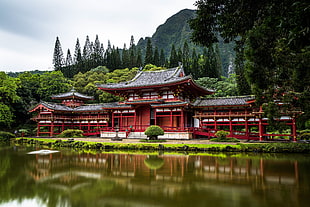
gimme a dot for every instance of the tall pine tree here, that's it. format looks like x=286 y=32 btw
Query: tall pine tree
x=77 y=53
x=149 y=52
x=173 y=61
x=58 y=57
x=156 y=59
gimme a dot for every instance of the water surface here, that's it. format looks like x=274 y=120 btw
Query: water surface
x=75 y=179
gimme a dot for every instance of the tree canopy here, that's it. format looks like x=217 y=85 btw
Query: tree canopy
x=273 y=50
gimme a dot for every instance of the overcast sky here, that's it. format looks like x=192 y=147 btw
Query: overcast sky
x=28 y=28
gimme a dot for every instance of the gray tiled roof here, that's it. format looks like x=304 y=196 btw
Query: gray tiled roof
x=114 y=105
x=72 y=93
x=61 y=107
x=175 y=104
x=224 y=101
x=150 y=78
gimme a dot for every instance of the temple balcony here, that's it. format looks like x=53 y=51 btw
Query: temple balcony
x=223 y=114
x=57 y=117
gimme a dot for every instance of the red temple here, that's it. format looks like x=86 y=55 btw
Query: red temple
x=166 y=98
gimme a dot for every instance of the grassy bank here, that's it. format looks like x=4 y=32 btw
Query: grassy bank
x=103 y=146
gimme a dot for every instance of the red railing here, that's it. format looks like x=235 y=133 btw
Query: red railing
x=57 y=117
x=224 y=114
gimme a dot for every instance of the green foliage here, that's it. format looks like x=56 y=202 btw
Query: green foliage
x=228 y=139
x=223 y=88
x=273 y=46
x=221 y=134
x=58 y=58
x=305 y=136
x=8 y=99
x=6 y=115
x=6 y=136
x=153 y=131
x=151 y=67
x=149 y=52
x=52 y=83
x=71 y=133
x=305 y=131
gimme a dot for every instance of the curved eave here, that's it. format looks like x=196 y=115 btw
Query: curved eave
x=117 y=107
x=39 y=106
x=73 y=97
x=212 y=106
x=202 y=91
x=170 y=105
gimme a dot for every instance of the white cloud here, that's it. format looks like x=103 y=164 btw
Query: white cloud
x=28 y=28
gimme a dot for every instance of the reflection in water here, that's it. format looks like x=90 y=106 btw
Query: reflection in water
x=105 y=179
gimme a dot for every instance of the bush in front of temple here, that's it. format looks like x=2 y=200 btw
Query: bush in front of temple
x=222 y=137
x=152 y=132
x=71 y=133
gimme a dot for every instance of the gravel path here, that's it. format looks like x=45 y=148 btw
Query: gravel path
x=106 y=140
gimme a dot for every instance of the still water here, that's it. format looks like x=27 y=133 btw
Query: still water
x=69 y=178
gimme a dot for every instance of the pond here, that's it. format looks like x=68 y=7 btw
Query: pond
x=129 y=179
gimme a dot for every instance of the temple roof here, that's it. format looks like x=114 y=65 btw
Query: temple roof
x=72 y=95
x=224 y=101
x=61 y=107
x=173 y=77
x=150 y=78
x=116 y=105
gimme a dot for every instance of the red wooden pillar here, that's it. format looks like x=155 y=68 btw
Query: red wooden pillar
x=135 y=119
x=155 y=116
x=38 y=130
x=112 y=120
x=230 y=126
x=294 y=129
x=246 y=127
x=260 y=129
x=63 y=125
x=260 y=124
x=120 y=124
x=215 y=123
x=88 y=126
x=182 y=119
x=171 y=119
x=52 y=129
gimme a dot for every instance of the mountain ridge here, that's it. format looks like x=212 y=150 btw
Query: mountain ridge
x=176 y=30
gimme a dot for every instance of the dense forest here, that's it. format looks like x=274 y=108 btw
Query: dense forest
x=265 y=53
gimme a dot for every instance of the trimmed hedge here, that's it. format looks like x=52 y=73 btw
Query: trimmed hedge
x=153 y=131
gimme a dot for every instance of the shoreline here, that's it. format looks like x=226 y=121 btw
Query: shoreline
x=197 y=145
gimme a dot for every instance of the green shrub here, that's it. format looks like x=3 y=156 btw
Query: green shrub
x=6 y=136
x=222 y=137
x=304 y=131
x=154 y=131
x=71 y=133
x=221 y=134
x=305 y=136
x=228 y=139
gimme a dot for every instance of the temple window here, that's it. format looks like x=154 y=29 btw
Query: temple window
x=167 y=95
x=133 y=96
x=150 y=95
